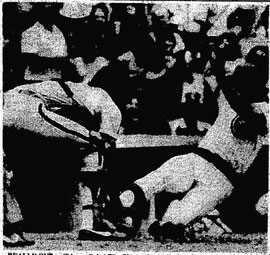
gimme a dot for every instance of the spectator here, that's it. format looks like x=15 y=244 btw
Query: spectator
x=13 y=71
x=243 y=18
x=263 y=21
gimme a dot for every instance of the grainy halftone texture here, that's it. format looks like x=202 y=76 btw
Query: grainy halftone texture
x=155 y=77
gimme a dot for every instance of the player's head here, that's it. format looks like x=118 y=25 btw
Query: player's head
x=247 y=88
x=249 y=82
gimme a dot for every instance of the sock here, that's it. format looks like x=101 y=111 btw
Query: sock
x=87 y=211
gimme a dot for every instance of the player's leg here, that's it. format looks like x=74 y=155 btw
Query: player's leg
x=94 y=199
x=29 y=140
x=175 y=175
x=211 y=187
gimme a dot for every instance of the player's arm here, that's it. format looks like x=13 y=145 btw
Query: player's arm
x=111 y=116
x=99 y=102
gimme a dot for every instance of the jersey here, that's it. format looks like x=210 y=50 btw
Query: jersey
x=45 y=138
x=220 y=140
x=74 y=106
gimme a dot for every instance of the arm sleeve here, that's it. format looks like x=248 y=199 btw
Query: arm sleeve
x=111 y=116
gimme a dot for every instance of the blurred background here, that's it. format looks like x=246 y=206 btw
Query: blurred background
x=161 y=63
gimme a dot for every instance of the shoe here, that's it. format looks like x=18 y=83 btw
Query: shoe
x=16 y=240
x=154 y=230
x=104 y=225
x=92 y=235
x=129 y=230
x=167 y=231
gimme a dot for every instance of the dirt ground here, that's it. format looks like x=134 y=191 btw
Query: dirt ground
x=251 y=243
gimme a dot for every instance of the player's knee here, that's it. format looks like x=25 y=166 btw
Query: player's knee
x=221 y=190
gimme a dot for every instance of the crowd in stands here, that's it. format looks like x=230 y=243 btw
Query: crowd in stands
x=156 y=71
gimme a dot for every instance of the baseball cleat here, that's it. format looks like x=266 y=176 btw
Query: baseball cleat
x=92 y=235
x=167 y=231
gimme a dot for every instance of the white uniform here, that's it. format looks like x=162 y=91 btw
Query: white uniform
x=179 y=173
x=45 y=130
x=21 y=108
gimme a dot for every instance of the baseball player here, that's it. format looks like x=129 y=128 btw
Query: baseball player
x=227 y=153
x=50 y=129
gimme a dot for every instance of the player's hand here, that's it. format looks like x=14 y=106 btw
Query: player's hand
x=109 y=141
x=102 y=141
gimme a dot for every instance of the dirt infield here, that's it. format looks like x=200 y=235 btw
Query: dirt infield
x=252 y=243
